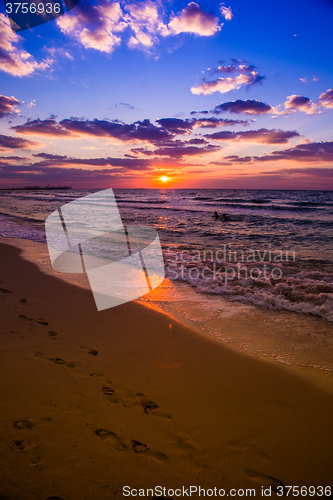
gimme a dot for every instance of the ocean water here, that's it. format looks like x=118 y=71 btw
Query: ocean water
x=275 y=253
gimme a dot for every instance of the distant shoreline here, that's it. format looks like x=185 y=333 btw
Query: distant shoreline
x=34 y=188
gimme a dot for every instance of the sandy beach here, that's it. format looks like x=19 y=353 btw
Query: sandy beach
x=96 y=401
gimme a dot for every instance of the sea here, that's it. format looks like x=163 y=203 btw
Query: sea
x=274 y=254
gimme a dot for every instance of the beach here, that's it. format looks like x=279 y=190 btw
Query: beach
x=96 y=401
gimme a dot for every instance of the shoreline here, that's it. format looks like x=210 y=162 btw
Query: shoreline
x=128 y=396
x=268 y=335
x=268 y=340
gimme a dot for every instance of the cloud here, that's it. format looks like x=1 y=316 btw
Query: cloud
x=254 y=107
x=233 y=159
x=178 y=149
x=311 y=152
x=8 y=105
x=50 y=160
x=326 y=173
x=42 y=127
x=74 y=127
x=124 y=105
x=261 y=136
x=246 y=76
x=10 y=142
x=226 y=12
x=218 y=122
x=248 y=107
x=145 y=22
x=224 y=85
x=300 y=103
x=95 y=27
x=237 y=67
x=304 y=80
x=14 y=60
x=140 y=25
x=50 y=156
x=326 y=99
x=193 y=19
x=176 y=125
x=138 y=131
x=55 y=175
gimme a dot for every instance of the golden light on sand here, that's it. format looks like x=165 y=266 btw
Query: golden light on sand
x=164 y=178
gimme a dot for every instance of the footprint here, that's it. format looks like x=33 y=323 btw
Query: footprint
x=143 y=449
x=109 y=392
x=4 y=290
x=266 y=481
x=149 y=407
x=52 y=334
x=24 y=424
x=23 y=316
x=90 y=351
x=23 y=301
x=159 y=457
x=183 y=443
x=139 y=448
x=29 y=424
x=26 y=445
x=31 y=446
x=104 y=434
x=57 y=361
x=41 y=321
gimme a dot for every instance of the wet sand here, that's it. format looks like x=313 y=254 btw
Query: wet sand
x=93 y=401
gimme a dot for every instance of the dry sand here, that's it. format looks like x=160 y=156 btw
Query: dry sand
x=93 y=401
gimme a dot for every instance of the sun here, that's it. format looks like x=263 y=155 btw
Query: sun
x=164 y=178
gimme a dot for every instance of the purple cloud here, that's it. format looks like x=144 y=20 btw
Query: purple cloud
x=248 y=107
x=311 y=152
x=326 y=99
x=261 y=136
x=7 y=105
x=10 y=142
x=246 y=76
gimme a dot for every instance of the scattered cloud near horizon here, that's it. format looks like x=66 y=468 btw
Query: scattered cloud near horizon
x=310 y=152
x=261 y=136
x=144 y=130
x=292 y=104
x=10 y=142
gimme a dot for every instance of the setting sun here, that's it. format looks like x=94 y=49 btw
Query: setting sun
x=164 y=178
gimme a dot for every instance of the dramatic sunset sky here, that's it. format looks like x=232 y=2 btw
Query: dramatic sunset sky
x=207 y=94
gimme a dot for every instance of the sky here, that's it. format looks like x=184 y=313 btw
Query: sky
x=172 y=94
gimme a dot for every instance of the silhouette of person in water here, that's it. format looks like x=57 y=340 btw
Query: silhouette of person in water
x=225 y=217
